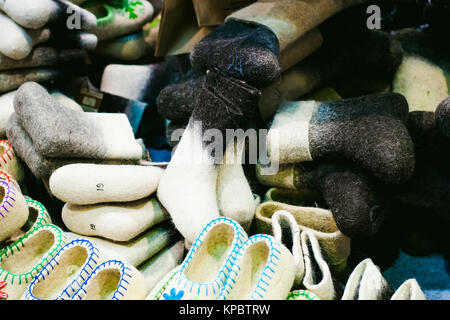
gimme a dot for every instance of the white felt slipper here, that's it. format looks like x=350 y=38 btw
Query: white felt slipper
x=159 y=265
x=84 y=183
x=13 y=210
x=23 y=260
x=115 y=221
x=409 y=290
x=284 y=218
x=264 y=270
x=128 y=48
x=210 y=259
x=160 y=287
x=9 y=162
x=317 y=273
x=6 y=109
x=302 y=295
x=113 y=280
x=66 y=101
x=10 y=179
x=367 y=283
x=138 y=250
x=63 y=276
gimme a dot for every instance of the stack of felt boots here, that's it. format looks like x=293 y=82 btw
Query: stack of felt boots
x=42 y=40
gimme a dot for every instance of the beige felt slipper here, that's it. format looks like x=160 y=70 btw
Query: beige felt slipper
x=115 y=221
x=302 y=295
x=113 y=280
x=63 y=276
x=160 y=287
x=10 y=179
x=84 y=183
x=9 y=162
x=23 y=260
x=128 y=48
x=409 y=290
x=264 y=270
x=13 y=210
x=367 y=283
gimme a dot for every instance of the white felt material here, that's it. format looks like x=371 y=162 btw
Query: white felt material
x=117 y=135
x=366 y=283
x=158 y=289
x=85 y=183
x=9 y=162
x=283 y=217
x=136 y=251
x=187 y=188
x=17 y=42
x=13 y=210
x=31 y=14
x=158 y=266
x=288 y=137
x=234 y=195
x=6 y=109
x=321 y=285
x=283 y=178
x=66 y=101
x=115 y=221
x=409 y=290
x=10 y=179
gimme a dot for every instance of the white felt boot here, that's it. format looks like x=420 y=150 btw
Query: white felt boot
x=9 y=162
x=264 y=270
x=63 y=276
x=208 y=263
x=13 y=210
x=23 y=260
x=234 y=196
x=366 y=283
x=409 y=290
x=17 y=42
x=84 y=183
x=115 y=221
x=317 y=278
x=282 y=218
x=128 y=48
x=187 y=188
x=113 y=280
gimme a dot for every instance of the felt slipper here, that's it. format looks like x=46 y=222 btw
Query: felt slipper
x=203 y=272
x=159 y=265
x=10 y=179
x=113 y=280
x=318 y=278
x=18 y=42
x=335 y=245
x=128 y=47
x=9 y=162
x=13 y=210
x=64 y=274
x=103 y=183
x=283 y=217
x=137 y=250
x=114 y=221
x=119 y=18
x=264 y=270
x=24 y=259
x=66 y=101
x=366 y=283
x=71 y=140
x=409 y=290
x=6 y=110
x=157 y=292
x=349 y=129
x=13 y=79
x=302 y=295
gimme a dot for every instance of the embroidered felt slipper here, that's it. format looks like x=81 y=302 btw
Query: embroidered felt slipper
x=302 y=295
x=367 y=283
x=208 y=263
x=9 y=162
x=264 y=270
x=64 y=274
x=409 y=290
x=24 y=259
x=13 y=210
x=10 y=179
x=84 y=184
x=113 y=280
x=157 y=292
x=118 y=18
x=318 y=278
x=137 y=250
x=128 y=47
x=121 y=221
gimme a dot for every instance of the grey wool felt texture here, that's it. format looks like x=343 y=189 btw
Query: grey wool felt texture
x=443 y=116
x=61 y=132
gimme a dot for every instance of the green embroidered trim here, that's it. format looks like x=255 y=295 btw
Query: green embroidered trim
x=164 y=286
x=128 y=6
x=43 y=215
x=302 y=293
x=16 y=247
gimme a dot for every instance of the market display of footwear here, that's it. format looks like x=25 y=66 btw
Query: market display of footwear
x=249 y=150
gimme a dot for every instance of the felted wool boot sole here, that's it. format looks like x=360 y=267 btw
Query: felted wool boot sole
x=63 y=276
x=264 y=270
x=204 y=270
x=113 y=280
x=115 y=221
x=9 y=162
x=13 y=210
x=128 y=48
x=23 y=260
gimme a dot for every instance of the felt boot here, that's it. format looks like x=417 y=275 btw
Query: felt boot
x=6 y=110
x=9 y=162
x=13 y=79
x=13 y=210
x=409 y=290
